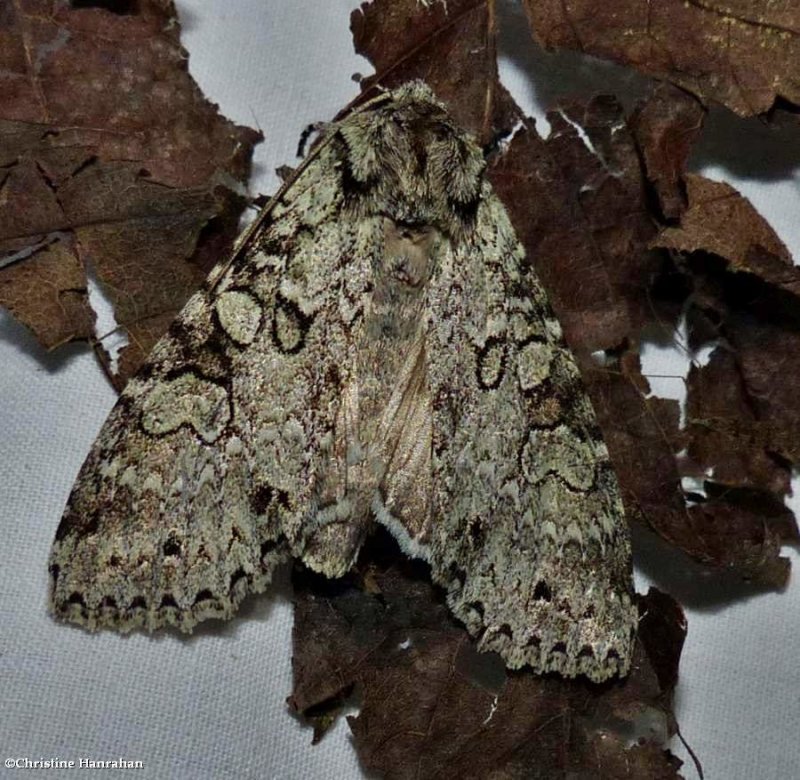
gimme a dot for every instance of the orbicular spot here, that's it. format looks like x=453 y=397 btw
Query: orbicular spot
x=186 y=400
x=491 y=363
x=239 y=315
x=533 y=364
x=289 y=326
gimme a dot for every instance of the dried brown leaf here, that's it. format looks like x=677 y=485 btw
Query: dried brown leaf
x=725 y=531
x=722 y=222
x=743 y=414
x=432 y=707
x=449 y=45
x=760 y=523
x=744 y=54
x=720 y=416
x=48 y=292
x=111 y=160
x=759 y=322
x=665 y=127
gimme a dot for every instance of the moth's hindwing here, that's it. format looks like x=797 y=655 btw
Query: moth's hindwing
x=376 y=350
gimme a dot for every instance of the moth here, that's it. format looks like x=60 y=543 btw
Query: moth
x=376 y=351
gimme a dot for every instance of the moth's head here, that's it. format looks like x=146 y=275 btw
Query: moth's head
x=405 y=159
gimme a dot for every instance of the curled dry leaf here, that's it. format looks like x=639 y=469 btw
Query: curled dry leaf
x=744 y=54
x=726 y=531
x=112 y=162
x=433 y=707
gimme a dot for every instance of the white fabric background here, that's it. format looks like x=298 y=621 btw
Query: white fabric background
x=212 y=706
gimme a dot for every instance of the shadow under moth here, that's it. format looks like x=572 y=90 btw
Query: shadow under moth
x=376 y=350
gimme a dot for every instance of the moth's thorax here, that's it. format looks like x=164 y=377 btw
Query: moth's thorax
x=408 y=255
x=395 y=315
x=400 y=274
x=410 y=162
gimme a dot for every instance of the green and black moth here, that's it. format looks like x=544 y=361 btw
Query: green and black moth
x=376 y=351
